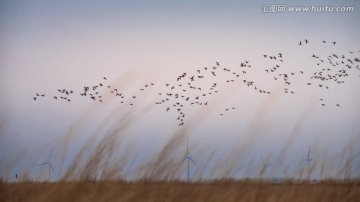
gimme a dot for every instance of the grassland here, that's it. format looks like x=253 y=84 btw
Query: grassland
x=107 y=156
x=223 y=190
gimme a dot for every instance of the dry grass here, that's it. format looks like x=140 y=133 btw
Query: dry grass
x=99 y=167
x=225 y=190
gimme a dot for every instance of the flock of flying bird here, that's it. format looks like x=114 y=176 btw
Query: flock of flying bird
x=189 y=88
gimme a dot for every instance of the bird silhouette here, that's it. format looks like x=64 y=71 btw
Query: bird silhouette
x=336 y=67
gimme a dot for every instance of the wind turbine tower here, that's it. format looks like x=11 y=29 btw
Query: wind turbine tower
x=308 y=159
x=188 y=158
x=264 y=164
x=50 y=165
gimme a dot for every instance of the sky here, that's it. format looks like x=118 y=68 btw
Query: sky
x=51 y=45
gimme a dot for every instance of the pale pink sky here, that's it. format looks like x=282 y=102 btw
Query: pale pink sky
x=47 y=46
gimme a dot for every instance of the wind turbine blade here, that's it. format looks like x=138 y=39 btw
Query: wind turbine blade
x=50 y=153
x=192 y=160
x=51 y=167
x=43 y=164
x=187 y=146
x=309 y=152
x=184 y=159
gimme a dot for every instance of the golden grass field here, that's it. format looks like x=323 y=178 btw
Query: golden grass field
x=223 y=190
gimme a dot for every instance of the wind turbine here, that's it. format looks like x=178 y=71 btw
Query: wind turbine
x=265 y=165
x=188 y=158
x=308 y=159
x=50 y=165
